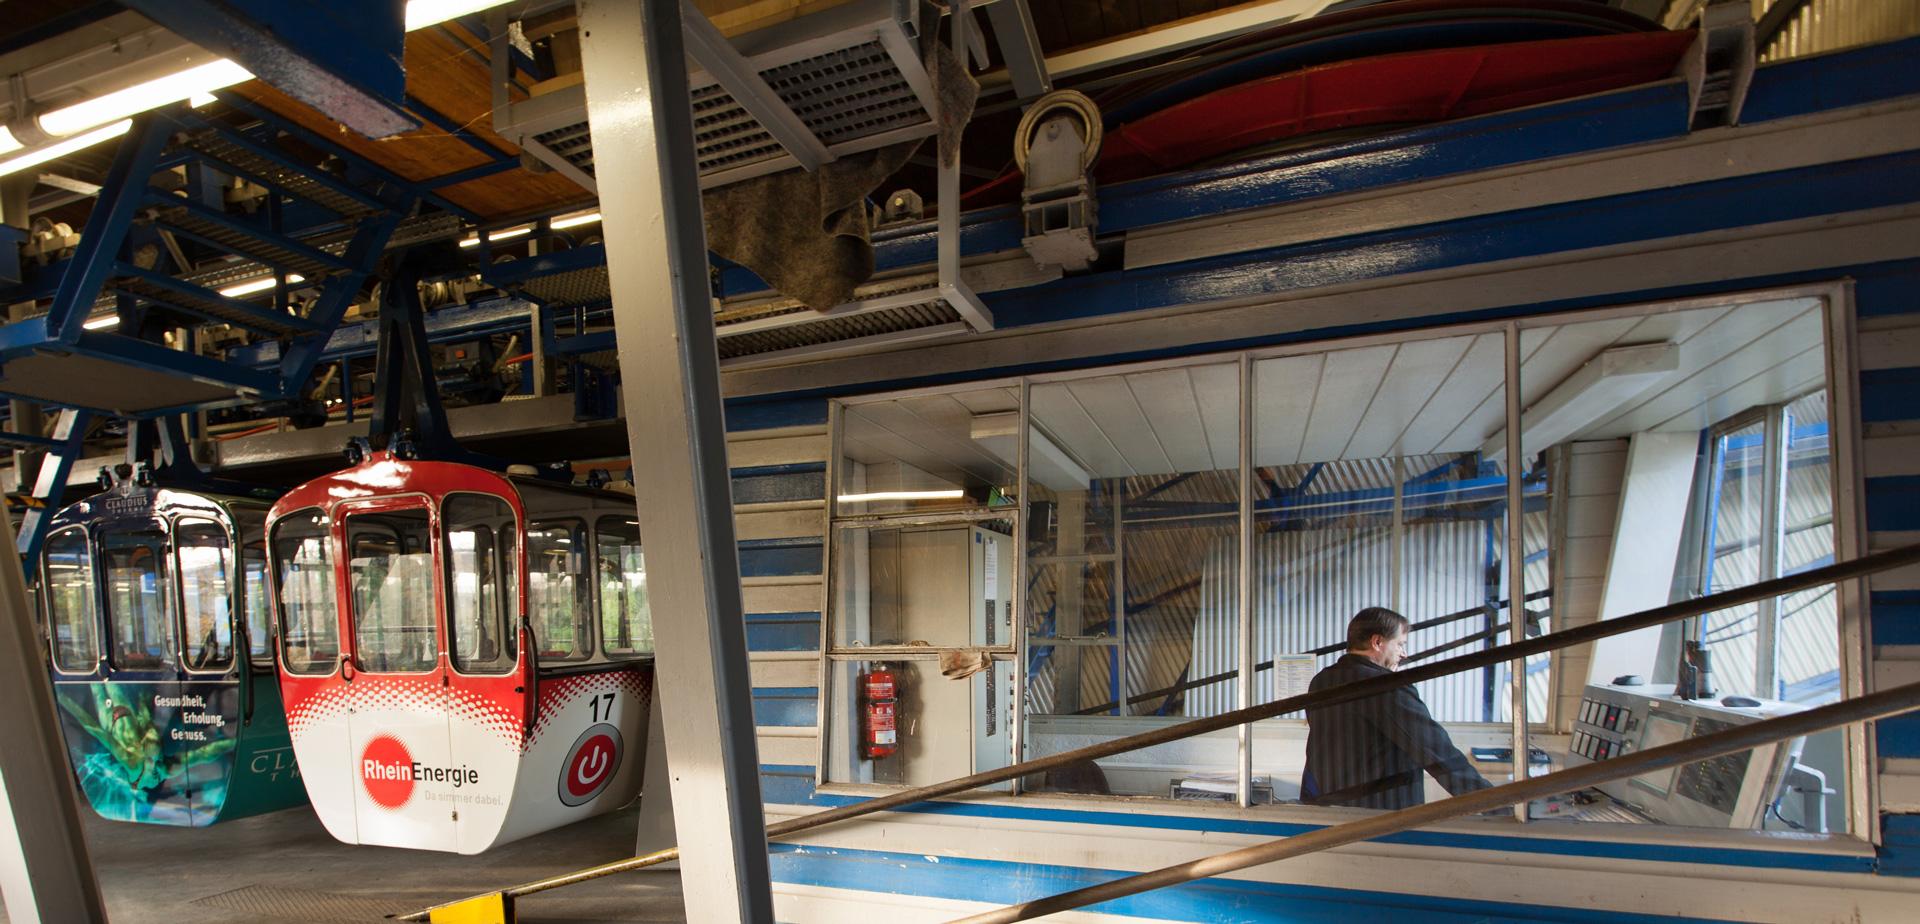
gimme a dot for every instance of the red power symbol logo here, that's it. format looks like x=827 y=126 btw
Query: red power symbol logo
x=590 y=764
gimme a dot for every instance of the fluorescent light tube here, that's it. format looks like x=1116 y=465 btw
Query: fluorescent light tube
x=424 y=13
x=257 y=285
x=574 y=221
x=497 y=235
x=39 y=156
x=112 y=320
x=143 y=96
x=953 y=494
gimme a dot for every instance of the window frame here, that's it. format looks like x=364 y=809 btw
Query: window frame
x=605 y=653
x=398 y=503
x=582 y=525
x=242 y=517
x=169 y=599
x=97 y=605
x=234 y=634
x=505 y=556
x=1836 y=316
x=330 y=543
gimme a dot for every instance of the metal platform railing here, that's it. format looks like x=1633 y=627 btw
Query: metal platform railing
x=1877 y=705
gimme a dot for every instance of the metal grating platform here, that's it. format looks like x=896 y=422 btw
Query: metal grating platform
x=262 y=321
x=586 y=288
x=932 y=316
x=245 y=245
x=300 y=184
x=851 y=75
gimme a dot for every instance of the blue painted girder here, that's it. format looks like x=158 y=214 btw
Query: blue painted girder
x=342 y=57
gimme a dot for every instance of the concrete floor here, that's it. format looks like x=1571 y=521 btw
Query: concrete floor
x=284 y=867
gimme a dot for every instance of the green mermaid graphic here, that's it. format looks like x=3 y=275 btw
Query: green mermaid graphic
x=133 y=768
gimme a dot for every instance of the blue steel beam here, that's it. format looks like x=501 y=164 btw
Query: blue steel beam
x=251 y=316
x=314 y=139
x=120 y=196
x=343 y=58
x=362 y=254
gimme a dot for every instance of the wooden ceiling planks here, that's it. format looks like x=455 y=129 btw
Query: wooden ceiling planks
x=447 y=72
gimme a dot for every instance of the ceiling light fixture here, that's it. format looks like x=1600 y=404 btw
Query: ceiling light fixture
x=424 y=13
x=143 y=96
x=497 y=235
x=112 y=320
x=62 y=148
x=953 y=494
x=574 y=221
x=257 y=285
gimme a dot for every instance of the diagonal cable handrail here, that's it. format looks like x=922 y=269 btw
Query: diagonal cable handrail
x=1373 y=686
x=1741 y=738
x=1339 y=646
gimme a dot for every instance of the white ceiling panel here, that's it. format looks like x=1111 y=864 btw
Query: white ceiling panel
x=1117 y=414
x=1171 y=401
x=1348 y=383
x=1218 y=389
x=1283 y=397
x=1057 y=411
x=1406 y=393
x=1733 y=348
x=1465 y=407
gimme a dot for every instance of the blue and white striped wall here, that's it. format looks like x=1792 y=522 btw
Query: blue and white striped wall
x=779 y=486
x=1819 y=189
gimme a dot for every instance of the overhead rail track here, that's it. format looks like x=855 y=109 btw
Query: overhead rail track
x=1861 y=709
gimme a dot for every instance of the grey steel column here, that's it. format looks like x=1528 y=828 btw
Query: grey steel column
x=638 y=108
x=1516 y=563
x=45 y=872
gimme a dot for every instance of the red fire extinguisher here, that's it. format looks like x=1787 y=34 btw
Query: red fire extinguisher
x=878 y=692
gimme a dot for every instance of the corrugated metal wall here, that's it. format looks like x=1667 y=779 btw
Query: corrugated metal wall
x=1308 y=582
x=1828 y=25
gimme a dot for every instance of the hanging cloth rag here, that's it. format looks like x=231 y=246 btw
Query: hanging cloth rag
x=807 y=234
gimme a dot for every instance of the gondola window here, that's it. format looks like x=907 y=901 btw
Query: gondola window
x=390 y=567
x=557 y=592
x=478 y=583
x=137 y=600
x=70 y=601
x=309 y=617
x=626 y=622
x=205 y=593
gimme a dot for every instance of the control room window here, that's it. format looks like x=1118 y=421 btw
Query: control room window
x=309 y=615
x=920 y=672
x=1768 y=495
x=1662 y=454
x=67 y=576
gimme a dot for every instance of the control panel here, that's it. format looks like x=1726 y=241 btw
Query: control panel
x=1732 y=791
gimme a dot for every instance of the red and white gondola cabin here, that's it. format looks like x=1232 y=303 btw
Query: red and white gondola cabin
x=466 y=656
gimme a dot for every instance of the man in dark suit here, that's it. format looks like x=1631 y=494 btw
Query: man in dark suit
x=1373 y=752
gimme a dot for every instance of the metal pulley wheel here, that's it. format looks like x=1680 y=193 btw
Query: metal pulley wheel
x=1059 y=102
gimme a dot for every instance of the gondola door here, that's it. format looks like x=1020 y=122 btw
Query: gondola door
x=397 y=727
